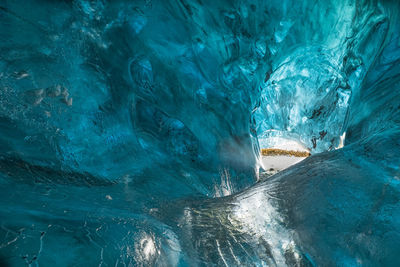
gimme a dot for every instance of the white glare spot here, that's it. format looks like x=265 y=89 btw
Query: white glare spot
x=147 y=247
x=341 y=142
x=305 y=73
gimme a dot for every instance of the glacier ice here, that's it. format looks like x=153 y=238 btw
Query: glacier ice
x=131 y=132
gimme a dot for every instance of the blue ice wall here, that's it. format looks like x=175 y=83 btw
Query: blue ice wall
x=130 y=132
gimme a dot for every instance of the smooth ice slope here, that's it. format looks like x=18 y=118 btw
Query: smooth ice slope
x=130 y=132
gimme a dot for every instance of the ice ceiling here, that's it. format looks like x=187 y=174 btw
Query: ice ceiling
x=130 y=132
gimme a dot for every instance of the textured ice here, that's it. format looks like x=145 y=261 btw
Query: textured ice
x=130 y=132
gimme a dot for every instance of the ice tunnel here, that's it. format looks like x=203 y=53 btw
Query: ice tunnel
x=200 y=133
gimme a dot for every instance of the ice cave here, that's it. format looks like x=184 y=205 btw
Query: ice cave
x=199 y=133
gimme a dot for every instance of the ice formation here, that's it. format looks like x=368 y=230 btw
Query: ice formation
x=130 y=132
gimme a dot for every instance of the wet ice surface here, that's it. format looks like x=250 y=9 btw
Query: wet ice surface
x=130 y=133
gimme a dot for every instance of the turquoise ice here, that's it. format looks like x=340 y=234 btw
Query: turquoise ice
x=130 y=132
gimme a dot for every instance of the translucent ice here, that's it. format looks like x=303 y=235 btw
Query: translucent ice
x=130 y=132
